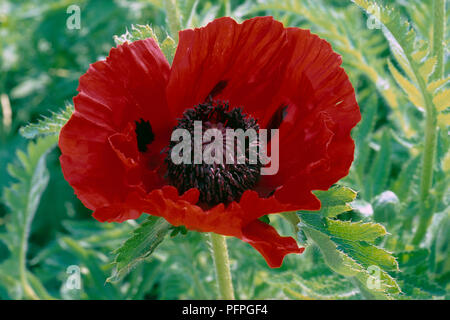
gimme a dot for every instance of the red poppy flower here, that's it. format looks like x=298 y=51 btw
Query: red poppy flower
x=256 y=74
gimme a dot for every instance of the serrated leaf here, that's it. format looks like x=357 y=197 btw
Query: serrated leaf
x=322 y=285
x=444 y=119
x=348 y=247
x=168 y=47
x=427 y=68
x=410 y=89
x=173 y=16
x=435 y=85
x=139 y=246
x=353 y=231
x=367 y=254
x=446 y=162
x=379 y=284
x=354 y=239
x=337 y=260
x=48 y=125
x=402 y=40
x=442 y=100
x=344 y=264
x=335 y=200
x=22 y=199
x=420 y=54
x=138 y=32
x=397 y=31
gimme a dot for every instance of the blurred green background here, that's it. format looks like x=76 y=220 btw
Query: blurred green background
x=40 y=63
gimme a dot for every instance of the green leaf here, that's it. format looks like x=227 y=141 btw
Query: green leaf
x=337 y=257
x=337 y=260
x=427 y=68
x=367 y=254
x=397 y=31
x=348 y=247
x=435 y=85
x=140 y=246
x=141 y=32
x=355 y=239
x=318 y=283
x=346 y=230
x=402 y=39
x=410 y=89
x=188 y=12
x=168 y=47
x=335 y=200
x=407 y=183
x=380 y=171
x=442 y=100
x=365 y=127
x=22 y=199
x=48 y=125
x=173 y=17
x=138 y=32
x=363 y=136
x=420 y=54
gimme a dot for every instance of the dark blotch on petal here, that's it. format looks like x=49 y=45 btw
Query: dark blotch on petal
x=144 y=134
x=219 y=87
x=278 y=117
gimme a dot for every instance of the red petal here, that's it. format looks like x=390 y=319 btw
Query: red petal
x=316 y=149
x=265 y=68
x=269 y=243
x=99 y=158
x=237 y=219
x=239 y=63
x=286 y=78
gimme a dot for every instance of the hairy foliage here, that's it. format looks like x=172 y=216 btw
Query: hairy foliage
x=22 y=199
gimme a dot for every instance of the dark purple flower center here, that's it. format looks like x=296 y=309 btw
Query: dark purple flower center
x=227 y=180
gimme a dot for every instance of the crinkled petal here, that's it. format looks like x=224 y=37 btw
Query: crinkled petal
x=238 y=220
x=239 y=63
x=315 y=111
x=288 y=79
x=269 y=243
x=100 y=157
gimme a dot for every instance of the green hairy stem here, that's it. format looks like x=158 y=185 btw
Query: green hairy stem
x=222 y=264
